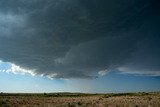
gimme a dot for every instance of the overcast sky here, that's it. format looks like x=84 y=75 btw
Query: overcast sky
x=80 y=39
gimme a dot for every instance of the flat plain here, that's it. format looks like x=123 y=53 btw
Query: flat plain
x=80 y=100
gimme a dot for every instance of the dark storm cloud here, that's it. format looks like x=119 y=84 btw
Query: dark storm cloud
x=79 y=38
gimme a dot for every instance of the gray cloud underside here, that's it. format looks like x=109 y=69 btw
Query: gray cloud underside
x=78 y=38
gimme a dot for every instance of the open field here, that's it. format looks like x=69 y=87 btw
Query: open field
x=80 y=100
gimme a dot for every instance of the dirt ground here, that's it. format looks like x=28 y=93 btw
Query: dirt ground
x=148 y=100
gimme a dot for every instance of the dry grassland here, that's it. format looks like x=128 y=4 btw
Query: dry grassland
x=81 y=100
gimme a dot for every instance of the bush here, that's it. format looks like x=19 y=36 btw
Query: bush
x=45 y=94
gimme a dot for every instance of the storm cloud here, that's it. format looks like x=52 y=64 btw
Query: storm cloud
x=81 y=38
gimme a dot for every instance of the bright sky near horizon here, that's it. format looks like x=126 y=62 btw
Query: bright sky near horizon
x=112 y=82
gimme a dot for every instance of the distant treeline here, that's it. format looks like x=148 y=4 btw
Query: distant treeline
x=128 y=94
x=68 y=94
